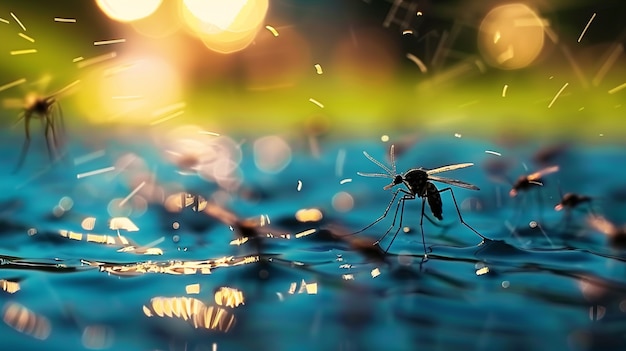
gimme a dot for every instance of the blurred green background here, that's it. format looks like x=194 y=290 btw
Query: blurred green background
x=349 y=67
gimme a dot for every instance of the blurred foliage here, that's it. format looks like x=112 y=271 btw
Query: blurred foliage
x=368 y=85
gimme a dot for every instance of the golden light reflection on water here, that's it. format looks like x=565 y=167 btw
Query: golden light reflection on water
x=171 y=267
x=9 y=286
x=229 y=297
x=192 y=310
x=179 y=201
x=126 y=244
x=309 y=215
x=26 y=321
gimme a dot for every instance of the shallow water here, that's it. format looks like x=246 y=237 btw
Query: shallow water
x=555 y=285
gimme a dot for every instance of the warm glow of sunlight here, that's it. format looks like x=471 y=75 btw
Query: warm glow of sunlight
x=128 y=11
x=218 y=13
x=225 y=26
x=131 y=90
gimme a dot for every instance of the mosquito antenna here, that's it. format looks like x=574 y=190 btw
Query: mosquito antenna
x=377 y=175
x=392 y=158
x=379 y=164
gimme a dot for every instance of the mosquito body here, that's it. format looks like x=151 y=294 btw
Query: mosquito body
x=49 y=111
x=570 y=201
x=527 y=181
x=417 y=184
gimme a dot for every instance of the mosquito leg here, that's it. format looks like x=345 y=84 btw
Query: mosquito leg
x=545 y=235
x=54 y=136
x=402 y=200
x=395 y=194
x=60 y=132
x=422 y=227
x=393 y=223
x=47 y=132
x=26 y=144
x=459 y=213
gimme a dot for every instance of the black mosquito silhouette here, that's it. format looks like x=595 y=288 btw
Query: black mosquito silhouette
x=527 y=181
x=418 y=184
x=49 y=111
x=569 y=201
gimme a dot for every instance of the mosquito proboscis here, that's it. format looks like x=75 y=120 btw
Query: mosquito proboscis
x=417 y=184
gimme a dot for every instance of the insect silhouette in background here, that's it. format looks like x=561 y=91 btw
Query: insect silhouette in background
x=417 y=184
x=569 y=203
x=48 y=110
x=616 y=235
x=528 y=181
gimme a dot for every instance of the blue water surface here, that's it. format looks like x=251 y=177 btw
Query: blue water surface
x=543 y=280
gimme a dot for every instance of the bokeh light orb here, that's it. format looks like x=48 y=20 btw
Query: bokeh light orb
x=224 y=26
x=128 y=10
x=214 y=158
x=160 y=24
x=511 y=36
x=272 y=154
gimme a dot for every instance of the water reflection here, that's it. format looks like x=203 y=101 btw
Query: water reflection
x=26 y=321
x=192 y=310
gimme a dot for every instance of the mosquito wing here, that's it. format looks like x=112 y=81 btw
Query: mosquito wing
x=448 y=168
x=454 y=182
x=537 y=175
x=601 y=224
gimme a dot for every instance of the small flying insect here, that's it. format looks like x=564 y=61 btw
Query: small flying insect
x=525 y=182
x=569 y=201
x=49 y=111
x=615 y=234
x=418 y=184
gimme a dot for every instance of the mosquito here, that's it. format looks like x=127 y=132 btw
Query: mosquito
x=417 y=182
x=615 y=234
x=48 y=110
x=526 y=181
x=569 y=201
